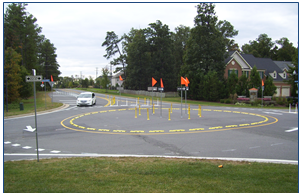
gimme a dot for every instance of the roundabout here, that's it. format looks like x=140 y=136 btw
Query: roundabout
x=123 y=121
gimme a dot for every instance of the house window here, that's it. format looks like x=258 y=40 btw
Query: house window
x=246 y=73
x=261 y=74
x=231 y=70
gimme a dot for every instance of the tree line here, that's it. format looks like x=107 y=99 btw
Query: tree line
x=25 y=48
x=197 y=53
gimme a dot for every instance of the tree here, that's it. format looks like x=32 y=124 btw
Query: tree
x=287 y=50
x=269 y=87
x=293 y=75
x=206 y=49
x=47 y=60
x=262 y=47
x=111 y=42
x=85 y=83
x=255 y=81
x=139 y=62
x=242 y=86
x=212 y=86
x=27 y=88
x=105 y=80
x=160 y=43
x=232 y=83
x=12 y=74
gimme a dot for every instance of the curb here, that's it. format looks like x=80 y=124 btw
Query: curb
x=41 y=112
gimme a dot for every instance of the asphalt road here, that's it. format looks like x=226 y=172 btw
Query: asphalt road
x=104 y=129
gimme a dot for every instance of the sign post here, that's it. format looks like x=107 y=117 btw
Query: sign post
x=33 y=79
x=153 y=83
x=181 y=88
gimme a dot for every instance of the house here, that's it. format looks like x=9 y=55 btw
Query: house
x=244 y=63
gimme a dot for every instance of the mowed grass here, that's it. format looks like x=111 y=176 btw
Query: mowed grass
x=29 y=105
x=148 y=175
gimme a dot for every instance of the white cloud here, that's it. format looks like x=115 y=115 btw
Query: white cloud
x=78 y=30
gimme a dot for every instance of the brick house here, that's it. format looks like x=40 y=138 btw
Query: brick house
x=244 y=63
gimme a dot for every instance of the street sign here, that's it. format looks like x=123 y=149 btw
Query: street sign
x=152 y=88
x=45 y=80
x=120 y=88
x=51 y=83
x=119 y=82
x=37 y=78
x=42 y=85
x=160 y=89
x=181 y=88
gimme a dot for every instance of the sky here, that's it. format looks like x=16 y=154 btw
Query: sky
x=78 y=30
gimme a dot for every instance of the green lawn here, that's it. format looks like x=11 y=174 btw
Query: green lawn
x=29 y=106
x=149 y=175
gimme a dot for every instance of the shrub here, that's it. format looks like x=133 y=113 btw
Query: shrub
x=228 y=101
x=222 y=101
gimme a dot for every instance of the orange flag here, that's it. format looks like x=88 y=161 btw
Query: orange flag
x=262 y=83
x=187 y=80
x=183 y=81
x=121 y=78
x=153 y=81
x=161 y=83
x=51 y=78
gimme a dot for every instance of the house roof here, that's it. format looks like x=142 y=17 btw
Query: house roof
x=283 y=64
x=265 y=64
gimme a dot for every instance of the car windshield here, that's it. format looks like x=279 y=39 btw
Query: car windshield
x=85 y=96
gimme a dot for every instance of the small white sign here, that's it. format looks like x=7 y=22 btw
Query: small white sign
x=42 y=85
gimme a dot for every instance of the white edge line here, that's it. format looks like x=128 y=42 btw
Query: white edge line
x=159 y=156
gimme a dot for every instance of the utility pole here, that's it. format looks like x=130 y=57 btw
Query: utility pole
x=96 y=74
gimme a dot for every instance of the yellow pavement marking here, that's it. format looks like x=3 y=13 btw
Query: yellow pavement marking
x=177 y=131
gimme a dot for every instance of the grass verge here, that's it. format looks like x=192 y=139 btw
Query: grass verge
x=148 y=175
x=29 y=105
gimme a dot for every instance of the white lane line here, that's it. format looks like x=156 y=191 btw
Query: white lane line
x=276 y=144
x=230 y=150
x=26 y=147
x=292 y=129
x=254 y=147
x=55 y=151
x=8 y=142
x=161 y=156
x=16 y=145
x=40 y=149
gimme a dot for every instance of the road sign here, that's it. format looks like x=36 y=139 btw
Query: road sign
x=37 y=78
x=51 y=83
x=152 y=88
x=42 y=85
x=160 y=89
x=119 y=82
x=45 y=80
x=181 y=88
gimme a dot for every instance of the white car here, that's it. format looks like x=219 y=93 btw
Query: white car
x=86 y=99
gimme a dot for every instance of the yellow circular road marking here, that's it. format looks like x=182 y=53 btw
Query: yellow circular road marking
x=172 y=131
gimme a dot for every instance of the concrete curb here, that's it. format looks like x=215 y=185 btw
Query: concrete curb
x=41 y=112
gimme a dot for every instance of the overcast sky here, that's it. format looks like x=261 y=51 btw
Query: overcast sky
x=78 y=30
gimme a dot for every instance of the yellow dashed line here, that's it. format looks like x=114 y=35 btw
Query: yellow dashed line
x=241 y=125
x=196 y=129
x=227 y=111
x=91 y=128
x=177 y=130
x=157 y=131
x=217 y=110
x=137 y=131
x=232 y=126
x=244 y=113
x=120 y=131
x=254 y=123
x=219 y=127
x=103 y=130
x=236 y=112
x=82 y=127
x=207 y=110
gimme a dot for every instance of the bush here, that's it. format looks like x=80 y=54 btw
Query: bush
x=228 y=101
x=222 y=101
